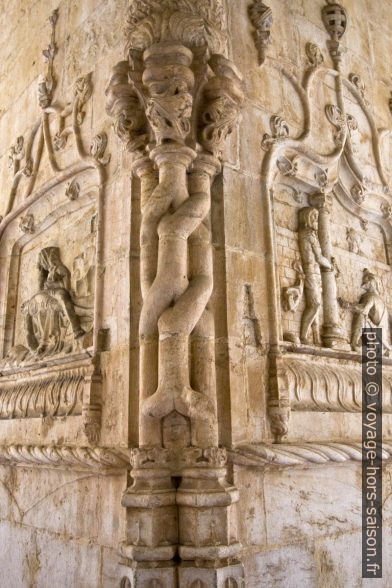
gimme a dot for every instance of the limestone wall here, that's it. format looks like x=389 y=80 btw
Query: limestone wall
x=308 y=126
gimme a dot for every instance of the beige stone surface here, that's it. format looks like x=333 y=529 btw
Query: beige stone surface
x=190 y=237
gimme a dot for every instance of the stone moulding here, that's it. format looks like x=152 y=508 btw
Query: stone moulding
x=54 y=389
x=301 y=454
x=92 y=458
x=329 y=385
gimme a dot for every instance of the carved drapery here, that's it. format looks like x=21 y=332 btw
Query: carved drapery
x=174 y=101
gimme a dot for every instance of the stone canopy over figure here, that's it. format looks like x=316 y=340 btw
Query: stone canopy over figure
x=370 y=311
x=312 y=260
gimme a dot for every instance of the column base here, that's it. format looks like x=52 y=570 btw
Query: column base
x=333 y=338
x=141 y=576
x=230 y=576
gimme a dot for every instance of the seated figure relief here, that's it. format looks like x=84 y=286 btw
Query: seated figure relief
x=369 y=312
x=54 y=322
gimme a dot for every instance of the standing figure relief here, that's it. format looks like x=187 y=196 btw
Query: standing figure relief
x=312 y=263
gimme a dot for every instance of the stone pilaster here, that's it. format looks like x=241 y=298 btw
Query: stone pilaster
x=174 y=100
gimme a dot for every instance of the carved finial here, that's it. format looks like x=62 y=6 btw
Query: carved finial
x=359 y=84
x=72 y=190
x=386 y=210
x=358 y=193
x=314 y=55
x=47 y=83
x=280 y=131
x=335 y=21
x=262 y=19
x=98 y=148
x=26 y=224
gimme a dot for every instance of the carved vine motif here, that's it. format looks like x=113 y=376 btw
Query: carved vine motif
x=358 y=192
x=72 y=190
x=314 y=55
x=26 y=154
x=359 y=83
x=63 y=456
x=98 y=148
x=262 y=20
x=340 y=121
x=16 y=154
x=286 y=167
x=280 y=130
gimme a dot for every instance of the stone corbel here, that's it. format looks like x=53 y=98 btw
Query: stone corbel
x=278 y=398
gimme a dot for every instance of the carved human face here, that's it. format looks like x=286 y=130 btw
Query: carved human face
x=308 y=218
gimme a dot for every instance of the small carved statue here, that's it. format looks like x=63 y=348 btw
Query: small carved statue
x=312 y=260
x=371 y=311
x=45 y=311
x=291 y=296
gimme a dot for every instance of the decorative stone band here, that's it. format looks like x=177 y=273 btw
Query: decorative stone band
x=178 y=459
x=47 y=390
x=325 y=384
x=95 y=458
x=300 y=454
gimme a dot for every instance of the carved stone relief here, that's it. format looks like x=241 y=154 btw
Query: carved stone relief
x=49 y=356
x=174 y=102
x=261 y=18
x=349 y=215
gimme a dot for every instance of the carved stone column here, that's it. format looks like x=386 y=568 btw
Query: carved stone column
x=331 y=332
x=174 y=101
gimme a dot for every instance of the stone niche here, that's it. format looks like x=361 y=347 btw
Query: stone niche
x=49 y=364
